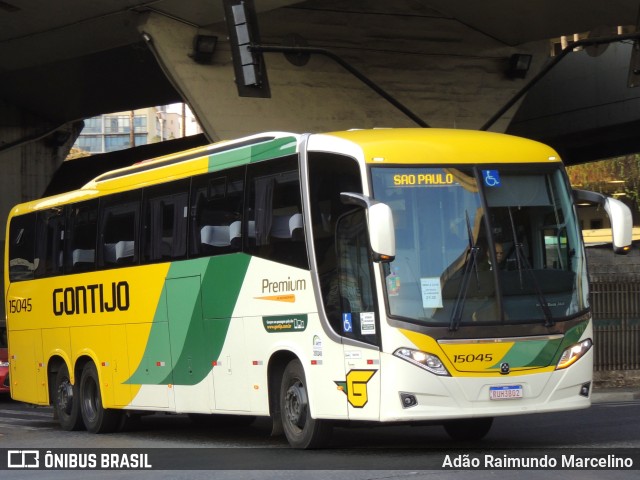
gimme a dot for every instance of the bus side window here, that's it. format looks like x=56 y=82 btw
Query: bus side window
x=22 y=236
x=50 y=246
x=80 y=245
x=216 y=213
x=119 y=220
x=164 y=227
x=274 y=221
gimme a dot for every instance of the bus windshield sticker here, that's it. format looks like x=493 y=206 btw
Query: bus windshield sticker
x=393 y=283
x=491 y=178
x=367 y=323
x=347 y=325
x=431 y=292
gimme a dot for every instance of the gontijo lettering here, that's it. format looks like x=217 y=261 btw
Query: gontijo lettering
x=423 y=179
x=91 y=299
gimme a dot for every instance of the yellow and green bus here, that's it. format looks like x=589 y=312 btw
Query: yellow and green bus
x=390 y=275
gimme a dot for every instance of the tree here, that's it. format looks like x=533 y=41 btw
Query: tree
x=619 y=176
x=76 y=152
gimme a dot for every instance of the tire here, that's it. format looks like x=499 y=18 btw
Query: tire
x=301 y=430
x=468 y=429
x=96 y=418
x=66 y=401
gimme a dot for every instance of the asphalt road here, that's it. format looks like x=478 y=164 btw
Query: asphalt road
x=610 y=429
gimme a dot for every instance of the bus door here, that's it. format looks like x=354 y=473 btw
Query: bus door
x=186 y=337
x=354 y=296
x=230 y=375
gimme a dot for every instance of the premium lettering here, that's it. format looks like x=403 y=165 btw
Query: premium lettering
x=287 y=285
x=95 y=298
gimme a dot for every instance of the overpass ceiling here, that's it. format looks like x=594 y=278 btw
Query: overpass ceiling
x=65 y=60
x=517 y=22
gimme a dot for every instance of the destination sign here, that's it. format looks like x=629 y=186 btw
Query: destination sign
x=410 y=179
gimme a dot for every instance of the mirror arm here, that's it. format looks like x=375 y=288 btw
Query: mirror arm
x=358 y=199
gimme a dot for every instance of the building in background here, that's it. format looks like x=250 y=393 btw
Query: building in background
x=112 y=131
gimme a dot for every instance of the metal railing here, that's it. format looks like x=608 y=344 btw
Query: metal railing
x=615 y=303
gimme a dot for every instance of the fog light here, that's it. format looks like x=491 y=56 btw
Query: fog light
x=584 y=389
x=408 y=400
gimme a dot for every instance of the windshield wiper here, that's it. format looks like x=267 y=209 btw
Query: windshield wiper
x=471 y=263
x=521 y=260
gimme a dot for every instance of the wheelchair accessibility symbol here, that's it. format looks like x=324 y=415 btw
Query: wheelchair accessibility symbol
x=347 y=324
x=491 y=178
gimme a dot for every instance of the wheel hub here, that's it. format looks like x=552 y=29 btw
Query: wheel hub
x=65 y=397
x=296 y=405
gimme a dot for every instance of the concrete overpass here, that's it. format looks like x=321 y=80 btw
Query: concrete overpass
x=63 y=61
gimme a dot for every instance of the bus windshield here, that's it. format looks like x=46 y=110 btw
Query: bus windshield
x=482 y=246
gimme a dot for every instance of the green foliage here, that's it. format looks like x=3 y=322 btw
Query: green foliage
x=619 y=176
x=77 y=153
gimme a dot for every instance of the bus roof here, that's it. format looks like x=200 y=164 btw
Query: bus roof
x=442 y=146
x=377 y=146
x=209 y=158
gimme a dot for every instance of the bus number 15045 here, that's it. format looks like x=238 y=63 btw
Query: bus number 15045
x=469 y=358
x=18 y=305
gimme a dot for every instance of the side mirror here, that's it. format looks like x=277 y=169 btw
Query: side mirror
x=382 y=237
x=619 y=215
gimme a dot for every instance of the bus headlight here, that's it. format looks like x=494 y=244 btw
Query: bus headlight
x=573 y=353
x=424 y=360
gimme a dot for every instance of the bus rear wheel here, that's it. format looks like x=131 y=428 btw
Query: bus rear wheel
x=468 y=429
x=66 y=401
x=96 y=418
x=301 y=430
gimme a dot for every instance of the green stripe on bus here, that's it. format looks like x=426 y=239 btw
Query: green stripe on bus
x=189 y=327
x=279 y=147
x=531 y=354
x=572 y=336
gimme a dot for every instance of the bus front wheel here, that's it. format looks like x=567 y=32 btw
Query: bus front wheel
x=468 y=429
x=96 y=418
x=66 y=401
x=301 y=430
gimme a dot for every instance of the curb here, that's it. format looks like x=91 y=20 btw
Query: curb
x=615 y=396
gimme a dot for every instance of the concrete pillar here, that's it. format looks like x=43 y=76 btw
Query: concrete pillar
x=29 y=155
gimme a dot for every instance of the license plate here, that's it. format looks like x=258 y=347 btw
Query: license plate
x=505 y=392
